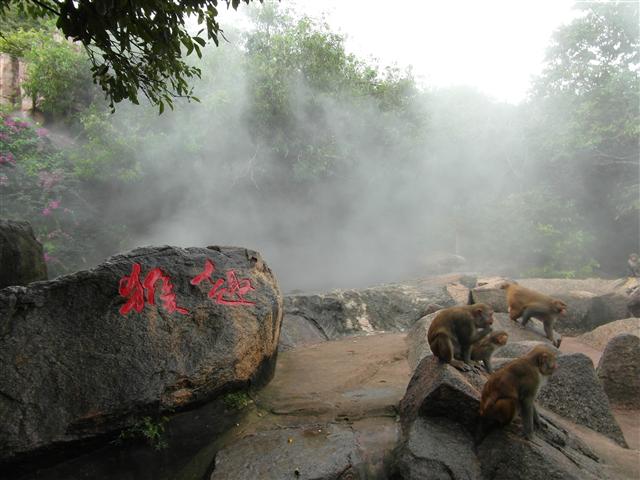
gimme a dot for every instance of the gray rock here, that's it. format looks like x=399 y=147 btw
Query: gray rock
x=553 y=454
x=591 y=302
x=518 y=349
x=437 y=389
x=21 y=256
x=439 y=415
x=619 y=371
x=601 y=336
x=488 y=291
x=296 y=331
x=574 y=392
x=73 y=366
x=318 y=453
x=393 y=307
x=437 y=448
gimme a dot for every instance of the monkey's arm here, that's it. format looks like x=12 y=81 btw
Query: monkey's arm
x=480 y=334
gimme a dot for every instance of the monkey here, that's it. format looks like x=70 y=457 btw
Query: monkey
x=459 y=325
x=527 y=303
x=483 y=349
x=634 y=265
x=633 y=305
x=513 y=388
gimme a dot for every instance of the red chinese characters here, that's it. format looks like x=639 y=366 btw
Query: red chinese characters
x=232 y=294
x=132 y=288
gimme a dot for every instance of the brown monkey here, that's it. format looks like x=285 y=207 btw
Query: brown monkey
x=514 y=388
x=459 y=325
x=634 y=265
x=527 y=303
x=483 y=349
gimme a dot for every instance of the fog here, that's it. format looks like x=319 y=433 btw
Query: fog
x=371 y=194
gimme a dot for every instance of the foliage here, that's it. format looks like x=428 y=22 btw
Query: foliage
x=585 y=119
x=58 y=77
x=133 y=45
x=236 y=400
x=305 y=90
x=590 y=84
x=38 y=184
x=149 y=430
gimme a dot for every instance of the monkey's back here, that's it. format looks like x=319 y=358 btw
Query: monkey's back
x=449 y=320
x=521 y=296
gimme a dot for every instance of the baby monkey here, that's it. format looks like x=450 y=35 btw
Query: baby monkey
x=483 y=349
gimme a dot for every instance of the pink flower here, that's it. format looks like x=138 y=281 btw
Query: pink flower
x=7 y=158
x=49 y=179
x=53 y=204
x=46 y=212
x=4 y=137
x=4 y=180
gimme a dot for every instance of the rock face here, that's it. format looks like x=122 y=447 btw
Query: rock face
x=392 y=307
x=21 y=257
x=438 y=416
x=334 y=456
x=619 y=371
x=591 y=302
x=574 y=392
x=151 y=330
x=600 y=337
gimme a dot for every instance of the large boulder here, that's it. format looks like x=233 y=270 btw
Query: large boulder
x=21 y=256
x=313 y=453
x=392 y=307
x=591 y=302
x=439 y=416
x=601 y=336
x=155 y=329
x=619 y=371
x=574 y=392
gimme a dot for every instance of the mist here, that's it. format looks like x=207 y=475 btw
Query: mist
x=337 y=187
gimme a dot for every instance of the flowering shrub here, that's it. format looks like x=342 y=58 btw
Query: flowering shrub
x=38 y=184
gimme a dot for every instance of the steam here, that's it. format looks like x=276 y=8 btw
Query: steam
x=378 y=213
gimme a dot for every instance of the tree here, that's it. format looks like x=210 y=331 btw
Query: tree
x=585 y=126
x=133 y=46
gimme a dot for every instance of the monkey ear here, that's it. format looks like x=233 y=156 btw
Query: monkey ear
x=477 y=312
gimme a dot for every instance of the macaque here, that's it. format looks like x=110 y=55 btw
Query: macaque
x=483 y=349
x=634 y=265
x=513 y=388
x=459 y=326
x=527 y=303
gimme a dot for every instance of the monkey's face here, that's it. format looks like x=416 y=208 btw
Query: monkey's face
x=633 y=258
x=547 y=363
x=560 y=307
x=483 y=316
